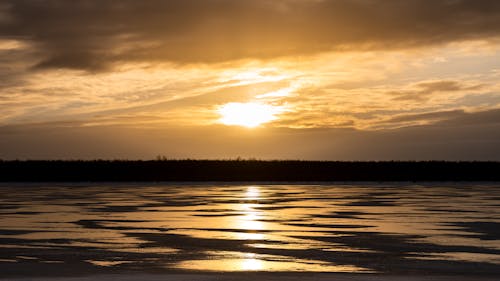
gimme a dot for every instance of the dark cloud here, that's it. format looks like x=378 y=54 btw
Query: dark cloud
x=428 y=116
x=487 y=117
x=425 y=90
x=448 y=118
x=94 y=34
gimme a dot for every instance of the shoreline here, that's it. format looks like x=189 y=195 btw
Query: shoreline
x=246 y=171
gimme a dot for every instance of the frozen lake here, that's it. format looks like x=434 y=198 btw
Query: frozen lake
x=81 y=229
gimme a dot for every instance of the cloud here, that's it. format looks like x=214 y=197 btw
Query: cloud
x=386 y=104
x=486 y=117
x=447 y=118
x=425 y=90
x=94 y=35
x=427 y=117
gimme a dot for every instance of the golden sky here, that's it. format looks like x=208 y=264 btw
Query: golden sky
x=308 y=79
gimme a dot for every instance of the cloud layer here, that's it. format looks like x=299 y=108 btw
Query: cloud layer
x=466 y=136
x=95 y=34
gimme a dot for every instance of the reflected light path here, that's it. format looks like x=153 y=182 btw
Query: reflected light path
x=252 y=193
x=251 y=227
x=250 y=262
x=250 y=220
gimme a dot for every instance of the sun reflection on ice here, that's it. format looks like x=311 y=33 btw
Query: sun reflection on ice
x=250 y=222
x=250 y=262
x=237 y=261
x=252 y=193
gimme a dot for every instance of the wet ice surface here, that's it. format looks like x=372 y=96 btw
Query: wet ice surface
x=370 y=228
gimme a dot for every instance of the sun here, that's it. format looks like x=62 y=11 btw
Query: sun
x=250 y=114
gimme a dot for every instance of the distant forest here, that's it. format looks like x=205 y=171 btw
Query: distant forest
x=244 y=170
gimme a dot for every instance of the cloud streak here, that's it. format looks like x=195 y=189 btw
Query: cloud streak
x=424 y=90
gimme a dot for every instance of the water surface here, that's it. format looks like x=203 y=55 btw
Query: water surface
x=370 y=228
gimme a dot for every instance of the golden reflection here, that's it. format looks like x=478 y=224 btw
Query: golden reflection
x=250 y=262
x=237 y=261
x=252 y=193
x=250 y=222
x=106 y=263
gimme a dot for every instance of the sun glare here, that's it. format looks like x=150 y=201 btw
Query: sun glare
x=250 y=114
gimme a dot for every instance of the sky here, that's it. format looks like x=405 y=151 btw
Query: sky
x=265 y=79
